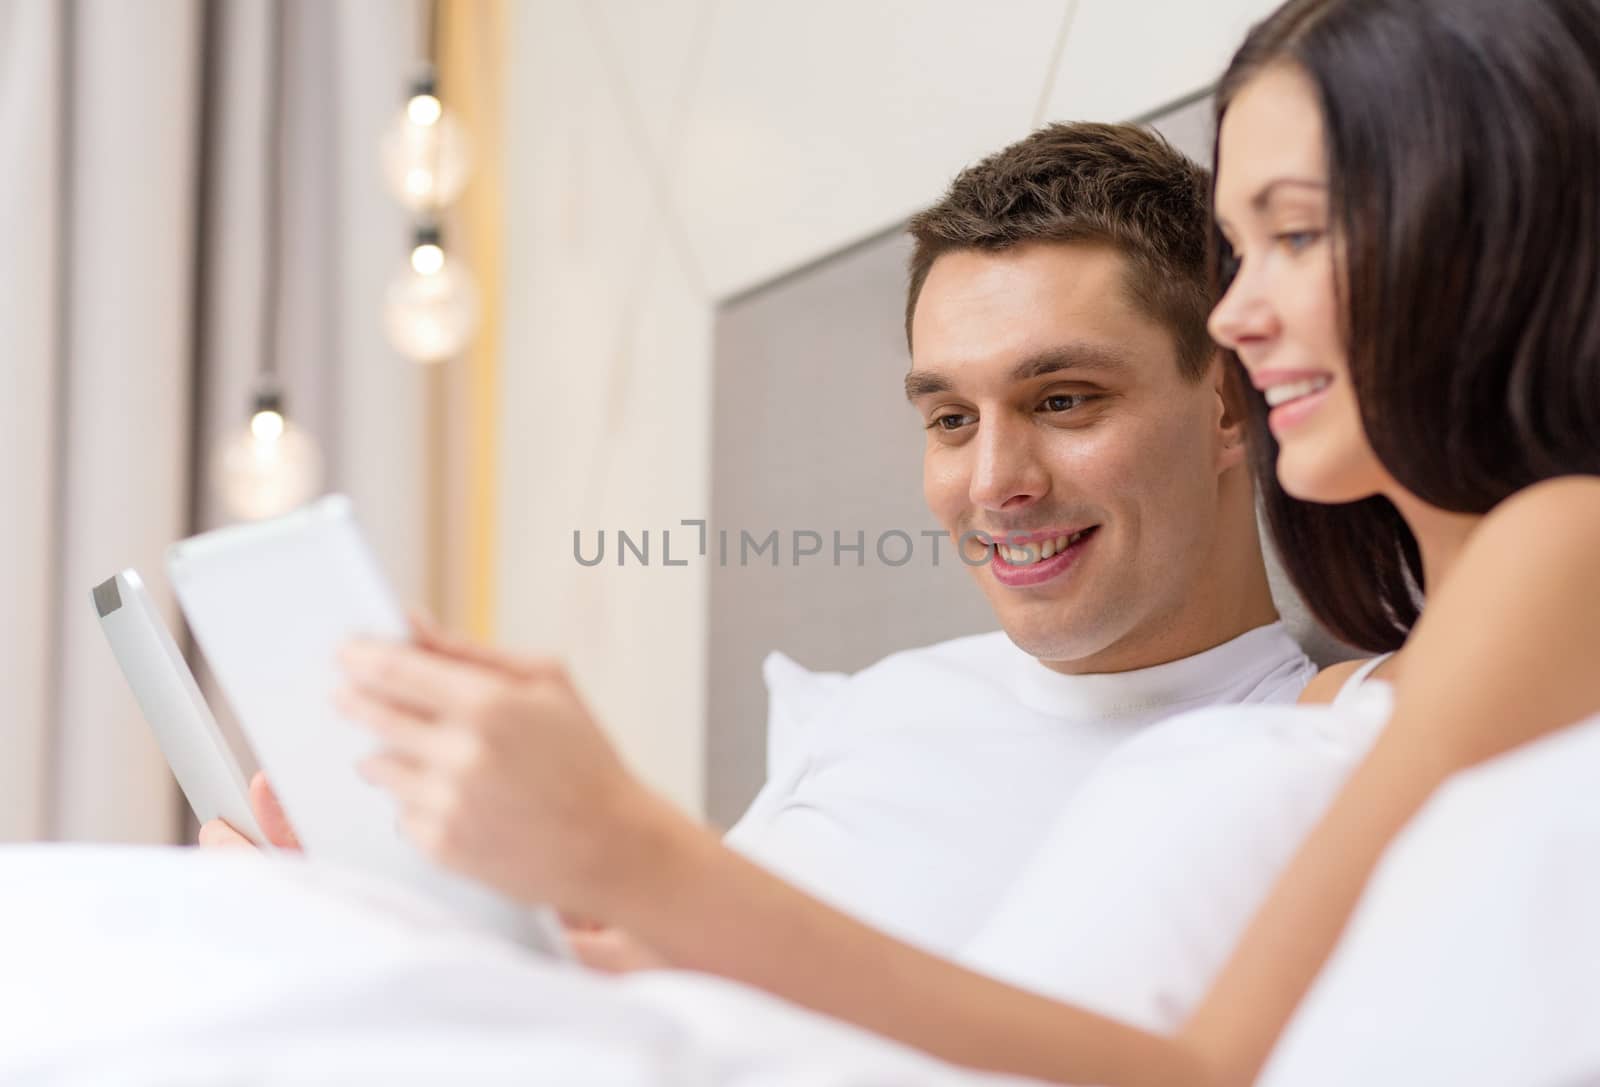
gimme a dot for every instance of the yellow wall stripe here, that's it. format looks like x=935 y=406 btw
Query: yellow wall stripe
x=471 y=83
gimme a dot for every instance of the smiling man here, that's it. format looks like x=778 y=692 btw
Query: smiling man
x=1062 y=415
x=1077 y=415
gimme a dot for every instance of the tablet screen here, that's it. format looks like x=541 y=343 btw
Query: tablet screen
x=270 y=603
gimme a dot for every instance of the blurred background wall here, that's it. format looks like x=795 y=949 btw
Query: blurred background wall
x=672 y=203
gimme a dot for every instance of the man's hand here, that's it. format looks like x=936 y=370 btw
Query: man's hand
x=500 y=770
x=269 y=817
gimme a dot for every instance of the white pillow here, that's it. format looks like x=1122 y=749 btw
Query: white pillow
x=794 y=696
x=1150 y=875
x=1474 y=957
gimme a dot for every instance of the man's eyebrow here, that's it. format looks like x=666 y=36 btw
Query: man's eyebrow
x=925 y=383
x=1092 y=358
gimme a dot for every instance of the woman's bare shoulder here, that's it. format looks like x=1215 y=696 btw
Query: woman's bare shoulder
x=1326 y=684
x=1567 y=506
x=1543 y=535
x=1505 y=648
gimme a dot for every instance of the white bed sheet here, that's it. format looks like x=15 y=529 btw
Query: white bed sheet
x=166 y=966
x=1474 y=959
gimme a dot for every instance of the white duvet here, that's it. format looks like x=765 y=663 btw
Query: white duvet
x=169 y=966
x=1474 y=959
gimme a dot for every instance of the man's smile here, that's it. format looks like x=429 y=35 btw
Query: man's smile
x=1023 y=561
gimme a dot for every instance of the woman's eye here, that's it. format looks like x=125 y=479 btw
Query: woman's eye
x=1298 y=240
x=1230 y=267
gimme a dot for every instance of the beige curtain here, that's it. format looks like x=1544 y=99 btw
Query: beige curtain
x=137 y=213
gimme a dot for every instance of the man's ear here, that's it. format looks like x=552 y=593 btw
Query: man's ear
x=1226 y=378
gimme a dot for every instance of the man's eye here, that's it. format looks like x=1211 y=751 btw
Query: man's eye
x=1062 y=402
x=949 y=421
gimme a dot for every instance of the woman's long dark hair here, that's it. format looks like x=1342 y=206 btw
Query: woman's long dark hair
x=1463 y=144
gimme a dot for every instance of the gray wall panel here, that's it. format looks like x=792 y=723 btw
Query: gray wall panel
x=812 y=432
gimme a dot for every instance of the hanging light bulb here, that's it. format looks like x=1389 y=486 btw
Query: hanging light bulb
x=269 y=467
x=431 y=309
x=426 y=153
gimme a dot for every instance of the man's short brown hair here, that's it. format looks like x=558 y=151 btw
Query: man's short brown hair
x=1118 y=184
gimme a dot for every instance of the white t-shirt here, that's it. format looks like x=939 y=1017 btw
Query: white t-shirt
x=918 y=791
x=1147 y=879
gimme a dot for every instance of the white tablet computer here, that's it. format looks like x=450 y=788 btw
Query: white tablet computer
x=198 y=752
x=270 y=603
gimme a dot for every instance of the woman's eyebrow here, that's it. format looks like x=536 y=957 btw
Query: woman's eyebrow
x=1264 y=195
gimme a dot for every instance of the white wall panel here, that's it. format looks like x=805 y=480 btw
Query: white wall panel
x=816 y=124
x=1123 y=59
x=641 y=652
x=654 y=48
x=605 y=409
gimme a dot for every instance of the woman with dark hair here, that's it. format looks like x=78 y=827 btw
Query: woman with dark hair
x=1446 y=158
x=1408 y=216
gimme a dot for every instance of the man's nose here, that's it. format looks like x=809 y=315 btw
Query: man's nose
x=1008 y=473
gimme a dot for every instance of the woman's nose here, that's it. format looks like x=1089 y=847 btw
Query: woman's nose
x=1242 y=314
